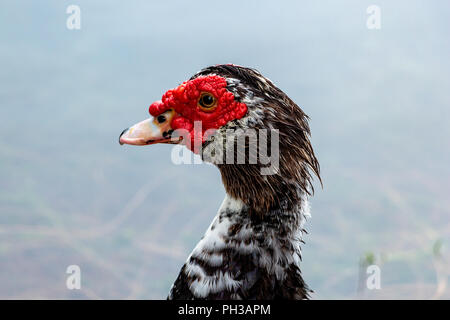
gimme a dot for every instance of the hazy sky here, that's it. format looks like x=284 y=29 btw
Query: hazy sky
x=378 y=102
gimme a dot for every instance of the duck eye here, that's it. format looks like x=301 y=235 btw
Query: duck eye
x=207 y=101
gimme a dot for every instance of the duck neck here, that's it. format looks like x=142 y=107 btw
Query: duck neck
x=283 y=220
x=265 y=197
x=244 y=256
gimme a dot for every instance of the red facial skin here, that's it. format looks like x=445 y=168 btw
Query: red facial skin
x=184 y=100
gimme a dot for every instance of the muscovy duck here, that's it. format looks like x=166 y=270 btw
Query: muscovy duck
x=252 y=248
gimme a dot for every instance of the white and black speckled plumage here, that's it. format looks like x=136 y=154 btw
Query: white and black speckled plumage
x=239 y=258
x=252 y=248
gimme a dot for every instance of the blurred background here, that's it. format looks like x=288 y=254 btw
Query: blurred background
x=71 y=195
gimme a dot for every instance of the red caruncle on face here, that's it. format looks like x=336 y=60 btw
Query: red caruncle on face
x=188 y=101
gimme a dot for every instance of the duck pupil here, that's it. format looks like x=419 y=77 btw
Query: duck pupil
x=207 y=100
x=161 y=119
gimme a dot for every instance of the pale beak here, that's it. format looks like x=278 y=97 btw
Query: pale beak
x=150 y=131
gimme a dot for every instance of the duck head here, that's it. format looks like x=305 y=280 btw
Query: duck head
x=223 y=103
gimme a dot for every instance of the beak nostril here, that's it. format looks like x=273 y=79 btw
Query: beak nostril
x=148 y=132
